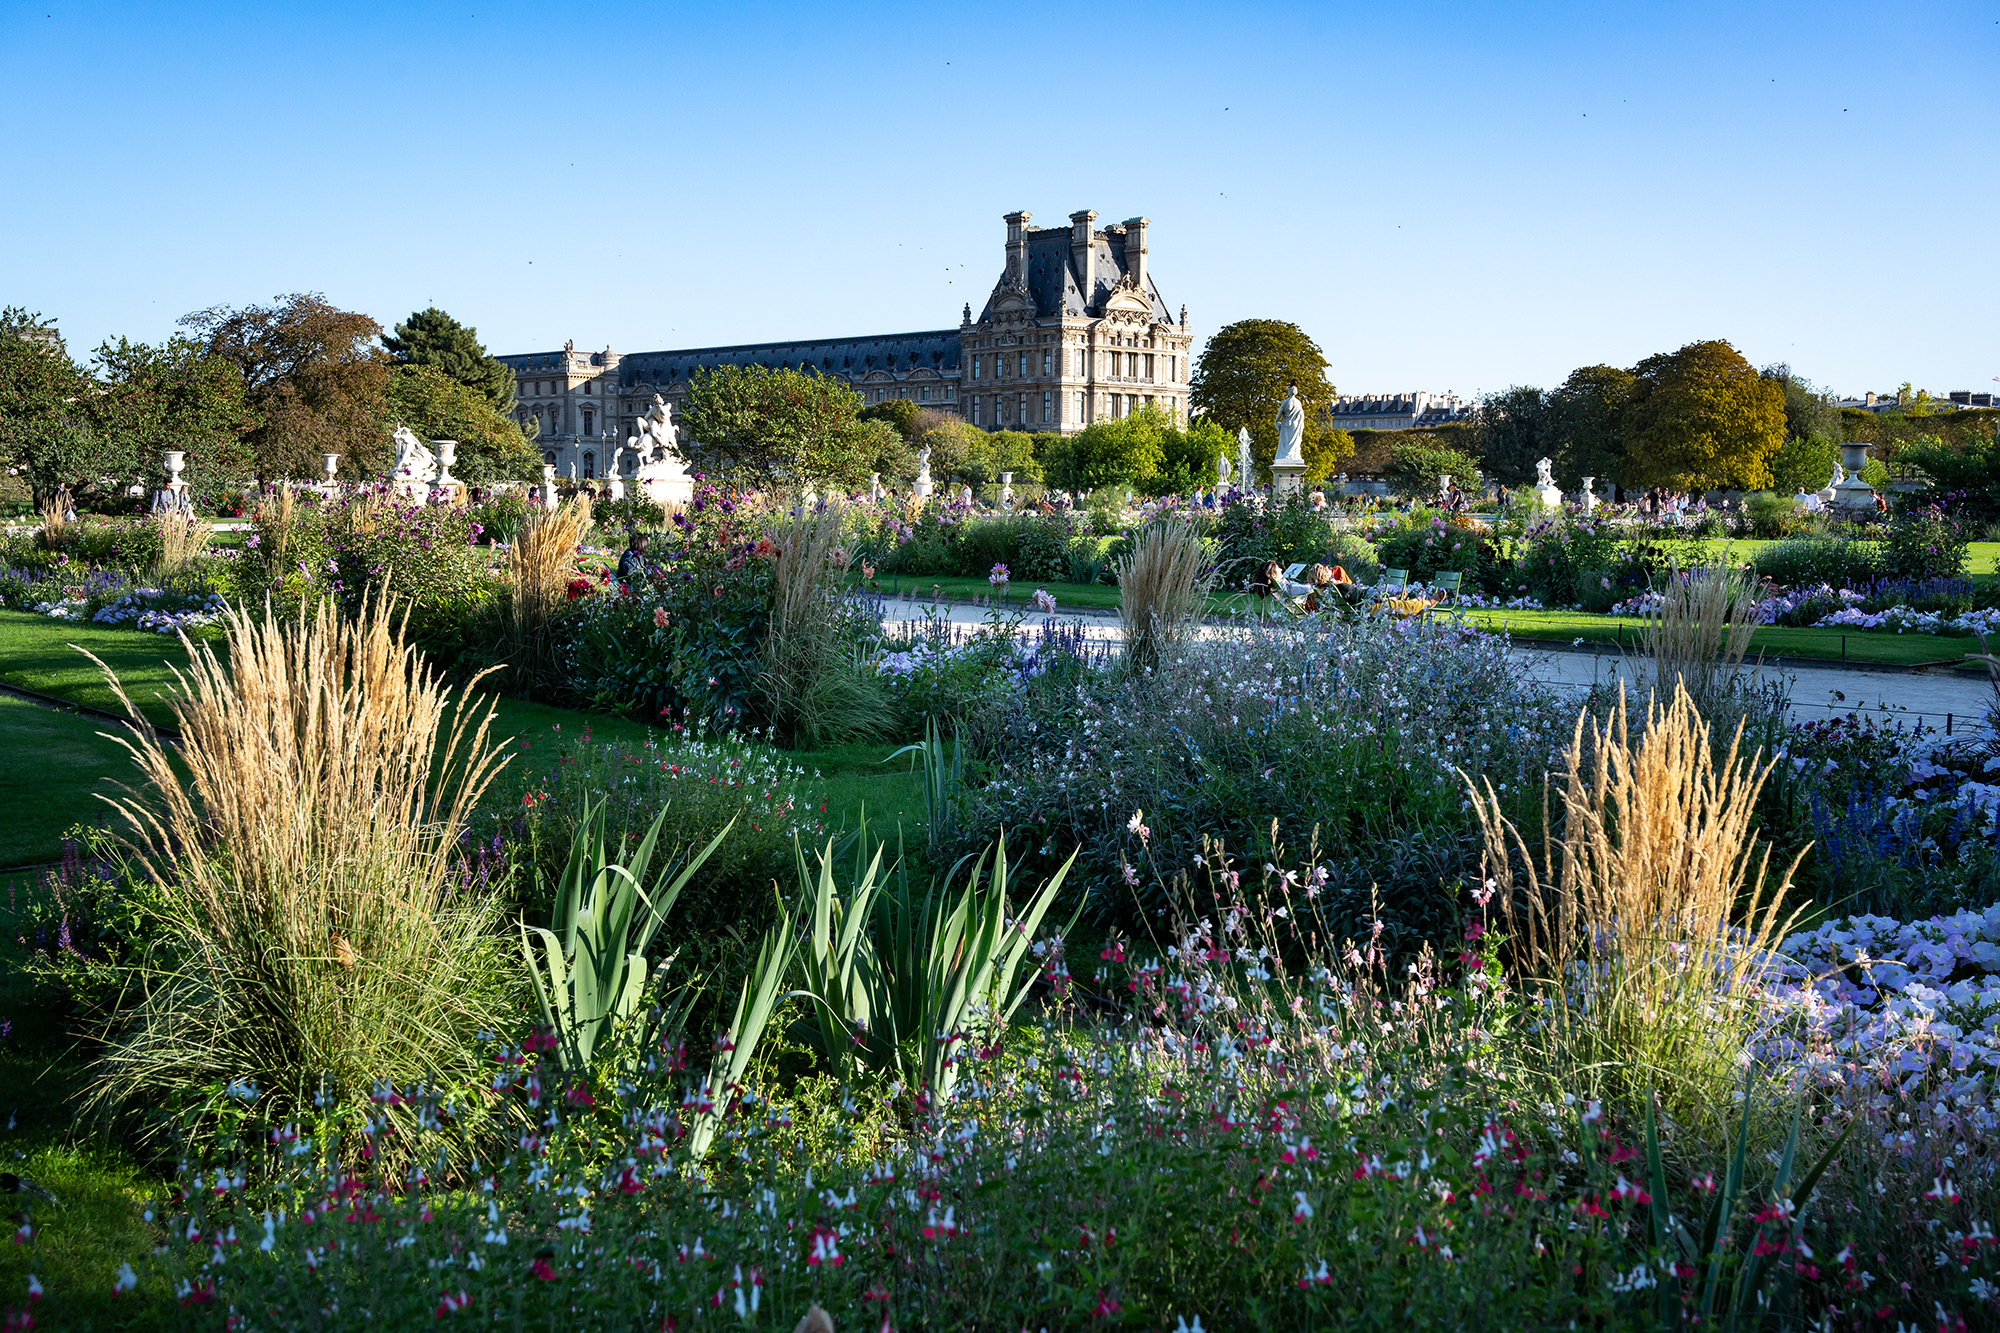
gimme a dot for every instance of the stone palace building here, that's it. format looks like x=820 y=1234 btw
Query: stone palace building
x=1075 y=331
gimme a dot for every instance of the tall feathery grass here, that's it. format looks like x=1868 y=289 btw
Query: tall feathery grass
x=1651 y=912
x=817 y=691
x=540 y=565
x=1698 y=634
x=1162 y=586
x=318 y=930
x=276 y=517
x=183 y=537
x=55 y=522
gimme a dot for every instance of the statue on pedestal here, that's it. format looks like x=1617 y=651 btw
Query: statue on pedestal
x=1546 y=489
x=662 y=473
x=924 y=484
x=416 y=466
x=1288 y=468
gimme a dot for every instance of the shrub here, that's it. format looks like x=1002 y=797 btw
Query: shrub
x=1803 y=562
x=501 y=516
x=816 y=687
x=1343 y=733
x=1771 y=515
x=1929 y=544
x=319 y=930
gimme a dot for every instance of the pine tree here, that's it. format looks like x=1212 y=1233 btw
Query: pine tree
x=433 y=338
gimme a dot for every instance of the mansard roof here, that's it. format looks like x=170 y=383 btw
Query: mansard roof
x=935 y=349
x=1056 y=285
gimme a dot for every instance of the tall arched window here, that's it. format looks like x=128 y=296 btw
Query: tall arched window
x=589 y=466
x=586 y=421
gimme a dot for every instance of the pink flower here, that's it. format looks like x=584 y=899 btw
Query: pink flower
x=659 y=617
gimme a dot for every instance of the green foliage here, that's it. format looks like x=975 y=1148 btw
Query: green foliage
x=900 y=413
x=1966 y=478
x=44 y=430
x=907 y=985
x=1702 y=417
x=590 y=970
x=1416 y=467
x=886 y=449
x=765 y=426
x=1586 y=427
x=1426 y=545
x=1128 y=451
x=312 y=378
x=1513 y=432
x=438 y=407
x=431 y=338
x=1804 y=463
x=1242 y=379
x=175 y=396
x=1928 y=543
x=1803 y=562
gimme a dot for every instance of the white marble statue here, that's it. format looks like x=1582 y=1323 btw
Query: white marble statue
x=1221 y=471
x=663 y=473
x=924 y=485
x=614 y=486
x=1826 y=493
x=1544 y=473
x=414 y=462
x=1291 y=430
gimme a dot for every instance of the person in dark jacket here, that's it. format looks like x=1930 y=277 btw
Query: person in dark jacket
x=632 y=564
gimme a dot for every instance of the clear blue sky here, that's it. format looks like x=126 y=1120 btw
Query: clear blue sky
x=1447 y=196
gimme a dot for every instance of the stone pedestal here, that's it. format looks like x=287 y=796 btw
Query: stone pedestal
x=1853 y=493
x=1550 y=496
x=1006 y=489
x=1589 y=496
x=1288 y=477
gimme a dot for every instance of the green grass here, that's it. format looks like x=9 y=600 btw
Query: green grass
x=1773 y=641
x=36 y=654
x=59 y=762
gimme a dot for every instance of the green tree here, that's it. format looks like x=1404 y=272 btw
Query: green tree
x=1415 y=467
x=763 y=426
x=433 y=338
x=1703 y=417
x=1584 y=425
x=45 y=430
x=1188 y=456
x=900 y=413
x=1127 y=451
x=1513 y=434
x=312 y=378
x=877 y=440
x=491 y=447
x=1914 y=402
x=147 y=400
x=1803 y=463
x=1963 y=479
x=1243 y=377
x=1809 y=414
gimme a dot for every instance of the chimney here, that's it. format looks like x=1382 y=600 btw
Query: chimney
x=1135 y=251
x=1081 y=250
x=1017 y=244
x=1868 y=399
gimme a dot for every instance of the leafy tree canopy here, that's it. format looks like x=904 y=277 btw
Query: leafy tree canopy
x=1188 y=456
x=1415 y=467
x=1127 y=451
x=765 y=426
x=1803 y=463
x=1513 y=434
x=1584 y=425
x=1243 y=377
x=151 y=399
x=1703 y=417
x=900 y=413
x=1809 y=414
x=311 y=376
x=433 y=338
x=45 y=430
x=435 y=406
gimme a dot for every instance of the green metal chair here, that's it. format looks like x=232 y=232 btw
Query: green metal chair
x=1393 y=580
x=1446 y=585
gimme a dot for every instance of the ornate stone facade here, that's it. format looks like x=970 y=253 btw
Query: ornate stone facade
x=1075 y=331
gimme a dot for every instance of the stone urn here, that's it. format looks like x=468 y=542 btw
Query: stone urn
x=1853 y=493
x=1589 y=494
x=1006 y=489
x=447 y=454
x=176 y=462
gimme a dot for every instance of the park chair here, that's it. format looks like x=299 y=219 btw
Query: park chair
x=1446 y=585
x=1393 y=580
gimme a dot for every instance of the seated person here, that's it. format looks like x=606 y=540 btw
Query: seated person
x=632 y=564
x=1268 y=580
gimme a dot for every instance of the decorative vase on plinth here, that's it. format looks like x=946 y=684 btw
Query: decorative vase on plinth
x=1853 y=493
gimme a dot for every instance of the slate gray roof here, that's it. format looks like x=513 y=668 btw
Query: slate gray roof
x=935 y=349
x=1057 y=286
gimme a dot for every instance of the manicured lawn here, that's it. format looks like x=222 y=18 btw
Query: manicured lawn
x=36 y=654
x=1825 y=644
x=58 y=764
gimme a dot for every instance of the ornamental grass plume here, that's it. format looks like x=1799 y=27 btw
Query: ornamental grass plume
x=275 y=517
x=1162 y=586
x=1700 y=630
x=1652 y=916
x=814 y=689
x=539 y=567
x=317 y=932
x=182 y=538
